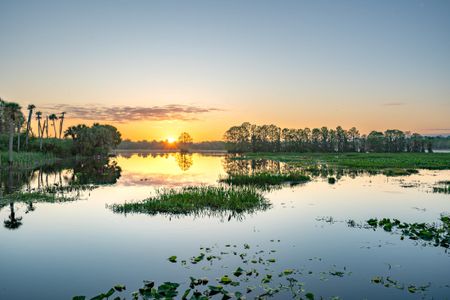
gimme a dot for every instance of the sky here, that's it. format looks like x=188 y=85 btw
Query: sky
x=157 y=68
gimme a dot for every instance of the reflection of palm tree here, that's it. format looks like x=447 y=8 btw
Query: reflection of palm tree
x=12 y=222
x=184 y=161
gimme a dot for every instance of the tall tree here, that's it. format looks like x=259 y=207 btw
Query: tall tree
x=11 y=110
x=53 y=118
x=19 y=123
x=46 y=126
x=30 y=113
x=184 y=141
x=40 y=132
x=61 y=123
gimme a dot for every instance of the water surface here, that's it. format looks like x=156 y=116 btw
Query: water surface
x=82 y=247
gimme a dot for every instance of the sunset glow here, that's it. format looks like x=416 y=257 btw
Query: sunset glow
x=171 y=140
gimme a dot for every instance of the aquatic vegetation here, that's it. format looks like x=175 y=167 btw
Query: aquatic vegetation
x=399 y=172
x=442 y=187
x=28 y=160
x=244 y=282
x=435 y=234
x=363 y=161
x=38 y=196
x=198 y=200
x=392 y=283
x=261 y=179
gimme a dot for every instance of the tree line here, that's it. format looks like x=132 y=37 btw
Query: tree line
x=17 y=134
x=271 y=138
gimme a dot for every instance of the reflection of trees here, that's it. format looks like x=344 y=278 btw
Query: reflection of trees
x=238 y=166
x=96 y=171
x=184 y=161
x=12 y=222
x=51 y=185
x=250 y=166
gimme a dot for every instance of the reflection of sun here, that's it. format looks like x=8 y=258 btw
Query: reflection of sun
x=171 y=139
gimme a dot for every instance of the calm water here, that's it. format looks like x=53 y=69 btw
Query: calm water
x=82 y=247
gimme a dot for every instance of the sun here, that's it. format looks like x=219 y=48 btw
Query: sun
x=171 y=139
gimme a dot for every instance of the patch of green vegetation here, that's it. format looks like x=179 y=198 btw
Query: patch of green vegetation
x=399 y=172
x=392 y=283
x=437 y=235
x=39 y=196
x=442 y=187
x=245 y=282
x=27 y=160
x=366 y=161
x=198 y=200
x=262 y=179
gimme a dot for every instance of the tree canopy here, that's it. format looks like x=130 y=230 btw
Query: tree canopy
x=271 y=138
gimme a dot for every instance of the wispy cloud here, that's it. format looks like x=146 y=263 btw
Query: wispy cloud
x=122 y=114
x=394 y=104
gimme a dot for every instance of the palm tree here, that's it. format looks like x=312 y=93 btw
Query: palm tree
x=40 y=133
x=11 y=110
x=19 y=123
x=30 y=113
x=53 y=118
x=46 y=126
x=61 y=122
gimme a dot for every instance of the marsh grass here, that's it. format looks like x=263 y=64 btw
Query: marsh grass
x=399 y=172
x=38 y=196
x=262 y=179
x=365 y=161
x=53 y=194
x=442 y=187
x=27 y=160
x=198 y=200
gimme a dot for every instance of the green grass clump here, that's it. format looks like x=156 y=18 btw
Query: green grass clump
x=38 y=196
x=442 y=187
x=198 y=200
x=399 y=172
x=265 y=179
x=27 y=160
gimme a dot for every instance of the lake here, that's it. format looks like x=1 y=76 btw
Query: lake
x=82 y=247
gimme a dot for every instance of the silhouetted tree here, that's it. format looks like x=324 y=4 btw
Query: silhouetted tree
x=184 y=141
x=53 y=118
x=30 y=114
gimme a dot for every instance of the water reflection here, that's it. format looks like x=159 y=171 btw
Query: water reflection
x=234 y=165
x=86 y=234
x=184 y=161
x=62 y=182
